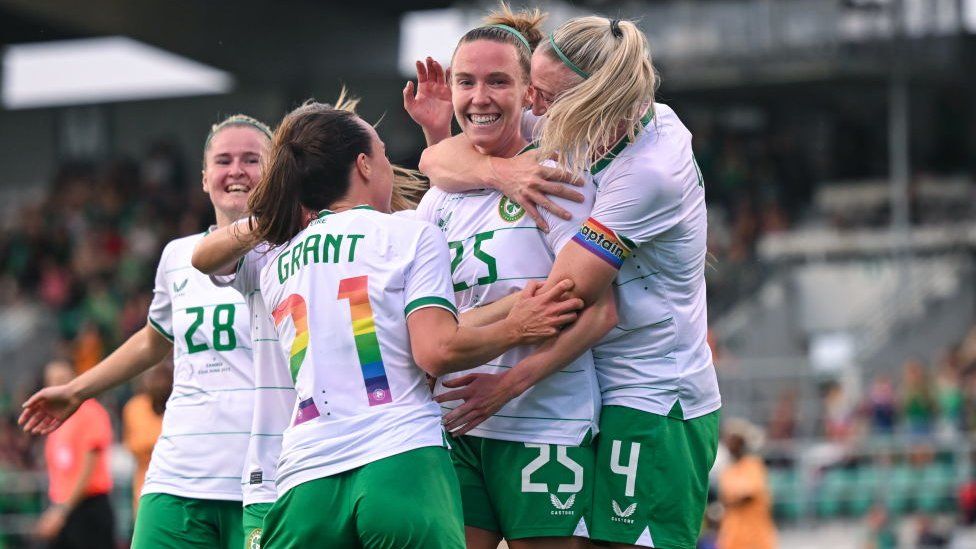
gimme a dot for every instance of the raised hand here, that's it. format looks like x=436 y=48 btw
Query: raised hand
x=540 y=315
x=48 y=409
x=429 y=102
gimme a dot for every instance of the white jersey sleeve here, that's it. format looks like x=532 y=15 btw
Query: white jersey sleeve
x=562 y=230
x=160 y=310
x=246 y=276
x=429 y=205
x=640 y=203
x=406 y=214
x=428 y=278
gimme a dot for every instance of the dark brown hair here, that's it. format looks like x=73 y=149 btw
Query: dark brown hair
x=312 y=154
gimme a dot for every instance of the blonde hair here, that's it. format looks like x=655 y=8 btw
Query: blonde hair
x=586 y=119
x=234 y=121
x=499 y=26
x=346 y=102
x=409 y=187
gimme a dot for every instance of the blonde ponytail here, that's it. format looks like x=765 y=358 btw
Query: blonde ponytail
x=586 y=119
x=408 y=188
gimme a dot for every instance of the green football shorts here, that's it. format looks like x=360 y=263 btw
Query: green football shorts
x=173 y=522
x=253 y=519
x=406 y=500
x=652 y=477
x=525 y=490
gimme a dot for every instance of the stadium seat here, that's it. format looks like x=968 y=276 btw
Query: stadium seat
x=783 y=485
x=900 y=485
x=865 y=489
x=835 y=486
x=937 y=487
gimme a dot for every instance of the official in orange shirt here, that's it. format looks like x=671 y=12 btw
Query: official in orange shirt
x=77 y=456
x=744 y=492
x=142 y=421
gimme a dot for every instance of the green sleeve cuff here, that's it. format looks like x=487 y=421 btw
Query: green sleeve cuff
x=422 y=302
x=160 y=329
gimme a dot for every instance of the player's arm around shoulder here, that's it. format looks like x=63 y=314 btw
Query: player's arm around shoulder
x=219 y=252
x=441 y=346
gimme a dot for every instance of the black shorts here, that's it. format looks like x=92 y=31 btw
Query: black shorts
x=91 y=525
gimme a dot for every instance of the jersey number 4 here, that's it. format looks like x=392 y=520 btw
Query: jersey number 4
x=629 y=471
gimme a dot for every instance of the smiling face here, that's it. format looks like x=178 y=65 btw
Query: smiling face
x=550 y=77
x=489 y=92
x=232 y=169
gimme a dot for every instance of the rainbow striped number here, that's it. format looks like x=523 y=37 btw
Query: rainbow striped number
x=294 y=306
x=356 y=290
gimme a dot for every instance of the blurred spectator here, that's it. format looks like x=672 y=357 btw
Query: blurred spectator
x=917 y=404
x=881 y=532
x=142 y=421
x=928 y=534
x=948 y=394
x=77 y=456
x=967 y=352
x=782 y=423
x=882 y=408
x=837 y=414
x=744 y=492
x=967 y=502
x=89 y=347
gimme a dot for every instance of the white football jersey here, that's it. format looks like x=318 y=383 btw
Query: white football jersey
x=340 y=293
x=274 y=390
x=207 y=423
x=649 y=221
x=496 y=250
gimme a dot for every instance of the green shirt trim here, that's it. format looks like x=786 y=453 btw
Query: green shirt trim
x=422 y=302
x=160 y=329
x=327 y=211
x=610 y=155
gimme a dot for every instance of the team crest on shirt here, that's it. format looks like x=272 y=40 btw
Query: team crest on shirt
x=509 y=210
x=254 y=539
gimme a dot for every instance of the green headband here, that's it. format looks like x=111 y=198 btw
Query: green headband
x=514 y=32
x=565 y=60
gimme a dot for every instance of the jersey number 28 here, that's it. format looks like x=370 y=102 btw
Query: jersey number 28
x=223 y=336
